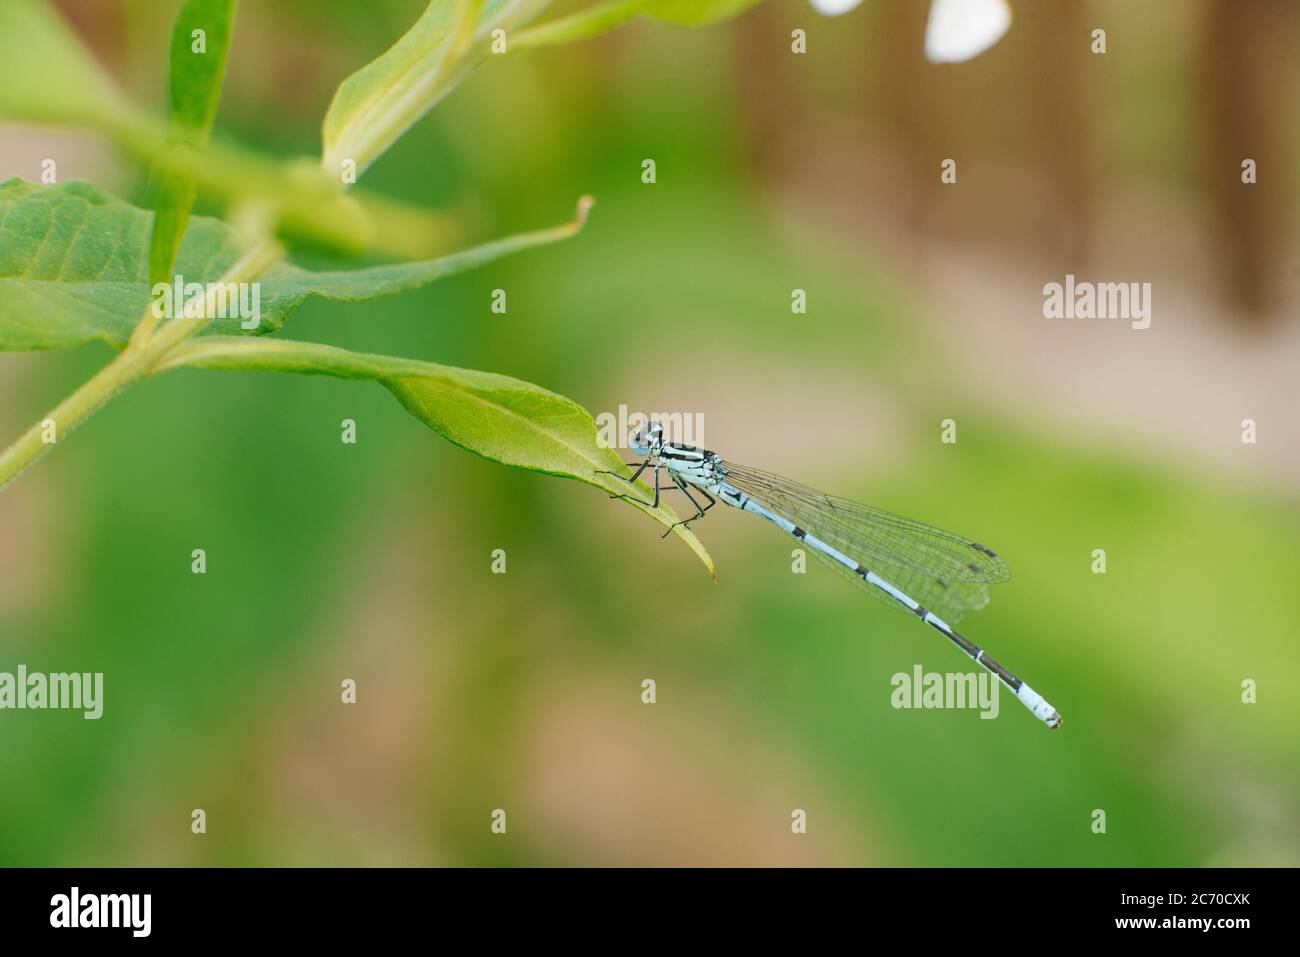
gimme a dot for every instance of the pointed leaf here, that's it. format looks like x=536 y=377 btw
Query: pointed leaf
x=498 y=417
x=377 y=104
x=73 y=268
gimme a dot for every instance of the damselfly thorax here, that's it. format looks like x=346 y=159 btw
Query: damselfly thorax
x=700 y=467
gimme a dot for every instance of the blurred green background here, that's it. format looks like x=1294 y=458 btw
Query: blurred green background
x=522 y=691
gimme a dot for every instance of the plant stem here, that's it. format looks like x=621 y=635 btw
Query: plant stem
x=148 y=349
x=134 y=363
x=73 y=410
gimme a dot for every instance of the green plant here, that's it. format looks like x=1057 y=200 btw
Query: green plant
x=78 y=265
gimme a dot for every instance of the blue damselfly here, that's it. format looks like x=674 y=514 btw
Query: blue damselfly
x=935 y=575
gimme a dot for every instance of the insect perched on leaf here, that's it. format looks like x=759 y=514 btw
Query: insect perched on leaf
x=935 y=575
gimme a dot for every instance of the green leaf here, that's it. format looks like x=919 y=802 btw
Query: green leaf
x=46 y=74
x=582 y=25
x=195 y=90
x=698 y=13
x=195 y=80
x=500 y=418
x=73 y=267
x=377 y=104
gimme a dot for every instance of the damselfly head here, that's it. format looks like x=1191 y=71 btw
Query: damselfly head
x=648 y=439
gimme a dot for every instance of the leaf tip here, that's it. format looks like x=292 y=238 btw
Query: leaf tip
x=701 y=553
x=584 y=208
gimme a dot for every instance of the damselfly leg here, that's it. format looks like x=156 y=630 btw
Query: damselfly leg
x=677 y=484
x=699 y=512
x=640 y=467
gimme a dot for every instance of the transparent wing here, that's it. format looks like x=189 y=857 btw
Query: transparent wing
x=943 y=571
x=950 y=601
